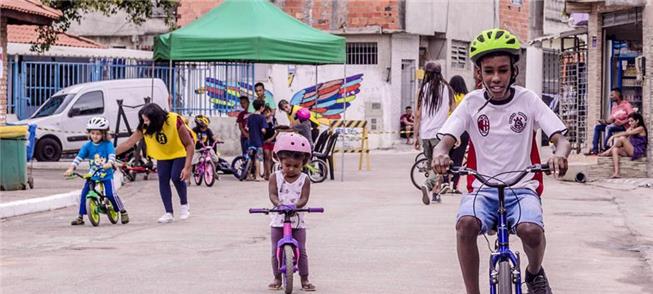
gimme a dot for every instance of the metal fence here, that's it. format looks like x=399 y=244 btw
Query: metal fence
x=573 y=93
x=211 y=88
x=33 y=82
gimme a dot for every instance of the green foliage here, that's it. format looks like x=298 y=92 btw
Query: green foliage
x=138 y=11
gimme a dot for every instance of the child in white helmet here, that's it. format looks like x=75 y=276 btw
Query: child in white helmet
x=101 y=155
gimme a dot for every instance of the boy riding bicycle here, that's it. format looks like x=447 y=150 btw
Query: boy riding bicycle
x=501 y=120
x=101 y=155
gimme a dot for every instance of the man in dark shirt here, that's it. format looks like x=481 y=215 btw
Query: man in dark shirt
x=256 y=125
x=241 y=120
x=407 y=121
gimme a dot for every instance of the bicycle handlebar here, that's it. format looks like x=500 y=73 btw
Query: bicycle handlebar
x=486 y=181
x=284 y=211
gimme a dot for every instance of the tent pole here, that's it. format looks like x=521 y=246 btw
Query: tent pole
x=152 y=86
x=170 y=78
x=344 y=117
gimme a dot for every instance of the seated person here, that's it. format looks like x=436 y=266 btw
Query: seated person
x=205 y=137
x=631 y=143
x=407 y=122
x=617 y=122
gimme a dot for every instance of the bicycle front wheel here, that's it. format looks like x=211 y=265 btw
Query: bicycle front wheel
x=197 y=175
x=92 y=210
x=237 y=166
x=111 y=213
x=209 y=173
x=288 y=260
x=504 y=278
x=245 y=169
x=420 y=156
x=420 y=172
x=317 y=170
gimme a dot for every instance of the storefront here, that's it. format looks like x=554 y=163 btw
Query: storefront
x=622 y=31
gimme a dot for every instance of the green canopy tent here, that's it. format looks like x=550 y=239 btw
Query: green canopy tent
x=251 y=31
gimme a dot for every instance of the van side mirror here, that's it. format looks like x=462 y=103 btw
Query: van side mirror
x=74 y=112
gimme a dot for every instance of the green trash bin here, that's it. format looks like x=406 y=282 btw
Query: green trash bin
x=13 y=171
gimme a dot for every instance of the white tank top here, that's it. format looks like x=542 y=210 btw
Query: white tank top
x=430 y=123
x=289 y=193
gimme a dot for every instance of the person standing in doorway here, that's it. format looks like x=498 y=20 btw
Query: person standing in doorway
x=169 y=141
x=617 y=122
x=433 y=103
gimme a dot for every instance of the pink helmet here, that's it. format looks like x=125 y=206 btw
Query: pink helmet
x=292 y=142
x=303 y=114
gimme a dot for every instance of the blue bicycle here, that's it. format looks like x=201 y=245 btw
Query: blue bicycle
x=243 y=165
x=505 y=273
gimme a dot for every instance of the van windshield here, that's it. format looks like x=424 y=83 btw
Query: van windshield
x=54 y=105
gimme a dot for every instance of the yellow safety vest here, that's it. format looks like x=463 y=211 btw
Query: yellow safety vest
x=166 y=144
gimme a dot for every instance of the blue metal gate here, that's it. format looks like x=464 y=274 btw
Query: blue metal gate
x=198 y=88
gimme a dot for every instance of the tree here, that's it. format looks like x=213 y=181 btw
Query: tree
x=138 y=11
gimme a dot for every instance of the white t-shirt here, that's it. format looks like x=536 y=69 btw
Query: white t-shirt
x=289 y=193
x=430 y=123
x=502 y=135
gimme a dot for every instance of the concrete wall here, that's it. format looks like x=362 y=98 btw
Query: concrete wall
x=116 y=31
x=647 y=90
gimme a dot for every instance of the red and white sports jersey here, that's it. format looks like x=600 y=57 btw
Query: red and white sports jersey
x=502 y=135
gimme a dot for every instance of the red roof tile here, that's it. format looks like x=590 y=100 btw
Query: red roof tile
x=30 y=7
x=28 y=34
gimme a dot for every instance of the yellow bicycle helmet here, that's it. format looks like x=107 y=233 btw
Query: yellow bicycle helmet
x=494 y=40
x=202 y=120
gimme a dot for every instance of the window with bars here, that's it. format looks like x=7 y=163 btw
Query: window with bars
x=517 y=2
x=459 y=51
x=362 y=53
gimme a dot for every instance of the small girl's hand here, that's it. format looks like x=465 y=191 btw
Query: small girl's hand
x=107 y=166
x=68 y=172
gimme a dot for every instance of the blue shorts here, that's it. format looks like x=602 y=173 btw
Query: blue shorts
x=259 y=154
x=522 y=206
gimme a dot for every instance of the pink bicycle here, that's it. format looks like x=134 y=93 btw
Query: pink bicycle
x=287 y=247
x=204 y=169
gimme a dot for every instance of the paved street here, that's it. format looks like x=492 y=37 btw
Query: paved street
x=375 y=237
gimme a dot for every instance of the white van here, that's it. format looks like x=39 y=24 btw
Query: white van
x=62 y=119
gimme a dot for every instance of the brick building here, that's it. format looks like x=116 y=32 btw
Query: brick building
x=387 y=42
x=620 y=51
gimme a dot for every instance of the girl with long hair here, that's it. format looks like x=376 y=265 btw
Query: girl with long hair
x=434 y=100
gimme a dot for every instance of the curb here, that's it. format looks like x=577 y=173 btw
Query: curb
x=47 y=203
x=22 y=207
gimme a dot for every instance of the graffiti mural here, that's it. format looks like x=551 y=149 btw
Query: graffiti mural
x=327 y=100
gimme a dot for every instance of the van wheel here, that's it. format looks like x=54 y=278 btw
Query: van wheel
x=48 y=149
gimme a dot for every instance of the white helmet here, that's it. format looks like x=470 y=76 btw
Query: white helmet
x=98 y=123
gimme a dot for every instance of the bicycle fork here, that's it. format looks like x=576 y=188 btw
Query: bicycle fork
x=287 y=240
x=503 y=253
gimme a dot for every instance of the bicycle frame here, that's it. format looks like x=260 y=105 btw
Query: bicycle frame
x=287 y=238
x=502 y=250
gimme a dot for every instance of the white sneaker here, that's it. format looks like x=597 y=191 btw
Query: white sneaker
x=184 y=212
x=166 y=218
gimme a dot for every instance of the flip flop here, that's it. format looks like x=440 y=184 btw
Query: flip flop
x=308 y=287
x=274 y=287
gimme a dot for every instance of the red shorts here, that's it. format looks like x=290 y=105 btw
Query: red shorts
x=268 y=146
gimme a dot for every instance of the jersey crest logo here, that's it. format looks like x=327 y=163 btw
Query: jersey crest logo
x=483 y=123
x=518 y=122
x=161 y=138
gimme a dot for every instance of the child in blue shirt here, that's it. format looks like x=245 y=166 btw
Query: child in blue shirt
x=101 y=154
x=257 y=125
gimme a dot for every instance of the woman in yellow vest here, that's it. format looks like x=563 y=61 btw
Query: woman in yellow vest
x=168 y=140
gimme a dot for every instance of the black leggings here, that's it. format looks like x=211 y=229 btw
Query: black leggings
x=458 y=154
x=171 y=170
